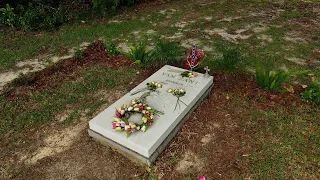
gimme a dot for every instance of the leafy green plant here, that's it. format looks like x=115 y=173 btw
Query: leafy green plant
x=273 y=80
x=102 y=6
x=38 y=16
x=164 y=52
x=7 y=16
x=138 y=52
x=231 y=59
x=312 y=93
x=79 y=54
x=112 y=49
x=35 y=15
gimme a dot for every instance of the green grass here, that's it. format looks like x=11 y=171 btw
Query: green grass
x=286 y=144
x=28 y=46
x=285 y=140
x=165 y=52
x=41 y=107
x=71 y=119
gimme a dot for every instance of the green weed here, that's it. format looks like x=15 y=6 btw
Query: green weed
x=78 y=54
x=271 y=79
x=230 y=60
x=165 y=52
x=138 y=52
x=112 y=49
x=312 y=93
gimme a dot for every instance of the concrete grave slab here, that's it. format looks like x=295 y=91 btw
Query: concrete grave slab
x=146 y=146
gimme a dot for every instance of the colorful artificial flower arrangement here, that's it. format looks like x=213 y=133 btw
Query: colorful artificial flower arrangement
x=121 y=122
x=98 y=45
x=153 y=86
x=189 y=74
x=178 y=93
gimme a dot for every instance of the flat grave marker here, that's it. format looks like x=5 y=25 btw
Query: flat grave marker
x=146 y=146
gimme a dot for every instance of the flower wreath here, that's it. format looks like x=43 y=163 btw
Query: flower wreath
x=121 y=122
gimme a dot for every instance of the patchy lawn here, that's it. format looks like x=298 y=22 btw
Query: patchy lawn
x=239 y=132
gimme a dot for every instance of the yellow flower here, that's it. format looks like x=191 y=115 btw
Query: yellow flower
x=195 y=74
x=144 y=119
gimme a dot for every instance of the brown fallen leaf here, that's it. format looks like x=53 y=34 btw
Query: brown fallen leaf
x=289 y=89
x=273 y=97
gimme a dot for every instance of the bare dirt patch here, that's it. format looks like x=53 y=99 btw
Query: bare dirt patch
x=56 y=142
x=68 y=69
x=227 y=36
x=29 y=66
x=189 y=162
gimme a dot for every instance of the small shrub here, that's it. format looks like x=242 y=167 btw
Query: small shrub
x=112 y=49
x=138 y=52
x=273 y=80
x=35 y=15
x=165 y=52
x=38 y=16
x=98 y=46
x=79 y=54
x=312 y=93
x=7 y=16
x=231 y=59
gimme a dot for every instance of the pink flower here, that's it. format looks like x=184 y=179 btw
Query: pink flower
x=150 y=123
x=133 y=130
x=200 y=53
x=144 y=111
x=123 y=124
x=140 y=108
x=122 y=112
x=127 y=128
x=118 y=114
x=202 y=178
x=114 y=125
x=148 y=113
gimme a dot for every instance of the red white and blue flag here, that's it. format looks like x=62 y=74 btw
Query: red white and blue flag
x=193 y=59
